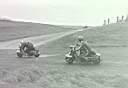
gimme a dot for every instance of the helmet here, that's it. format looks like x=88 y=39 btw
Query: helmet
x=71 y=46
x=22 y=41
x=80 y=38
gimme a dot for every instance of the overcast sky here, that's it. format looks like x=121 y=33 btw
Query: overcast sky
x=67 y=12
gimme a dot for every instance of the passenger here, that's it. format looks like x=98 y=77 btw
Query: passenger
x=84 y=48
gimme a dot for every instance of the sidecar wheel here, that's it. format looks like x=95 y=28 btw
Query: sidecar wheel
x=97 y=61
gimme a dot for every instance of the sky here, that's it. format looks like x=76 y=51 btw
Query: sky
x=64 y=12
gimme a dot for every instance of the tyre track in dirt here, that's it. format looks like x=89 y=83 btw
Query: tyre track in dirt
x=8 y=58
x=36 y=40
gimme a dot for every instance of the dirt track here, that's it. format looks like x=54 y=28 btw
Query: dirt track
x=37 y=40
x=8 y=56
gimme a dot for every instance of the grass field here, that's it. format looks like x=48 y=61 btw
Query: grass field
x=113 y=35
x=53 y=72
x=10 y=30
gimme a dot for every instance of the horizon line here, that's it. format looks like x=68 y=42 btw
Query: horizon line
x=6 y=18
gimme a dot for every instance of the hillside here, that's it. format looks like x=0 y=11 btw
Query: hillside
x=53 y=72
x=10 y=30
x=113 y=35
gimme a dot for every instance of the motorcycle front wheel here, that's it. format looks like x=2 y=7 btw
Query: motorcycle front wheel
x=37 y=55
x=19 y=54
x=69 y=60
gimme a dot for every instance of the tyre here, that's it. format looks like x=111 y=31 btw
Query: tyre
x=37 y=55
x=69 y=60
x=19 y=54
x=97 y=61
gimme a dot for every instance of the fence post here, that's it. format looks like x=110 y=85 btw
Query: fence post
x=126 y=18
x=108 y=21
x=104 y=22
x=122 y=18
x=117 y=19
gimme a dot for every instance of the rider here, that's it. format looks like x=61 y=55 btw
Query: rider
x=84 y=48
x=26 y=46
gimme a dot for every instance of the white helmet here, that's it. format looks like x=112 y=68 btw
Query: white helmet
x=22 y=41
x=80 y=38
x=71 y=46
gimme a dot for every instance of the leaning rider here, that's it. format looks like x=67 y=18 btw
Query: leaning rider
x=26 y=47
